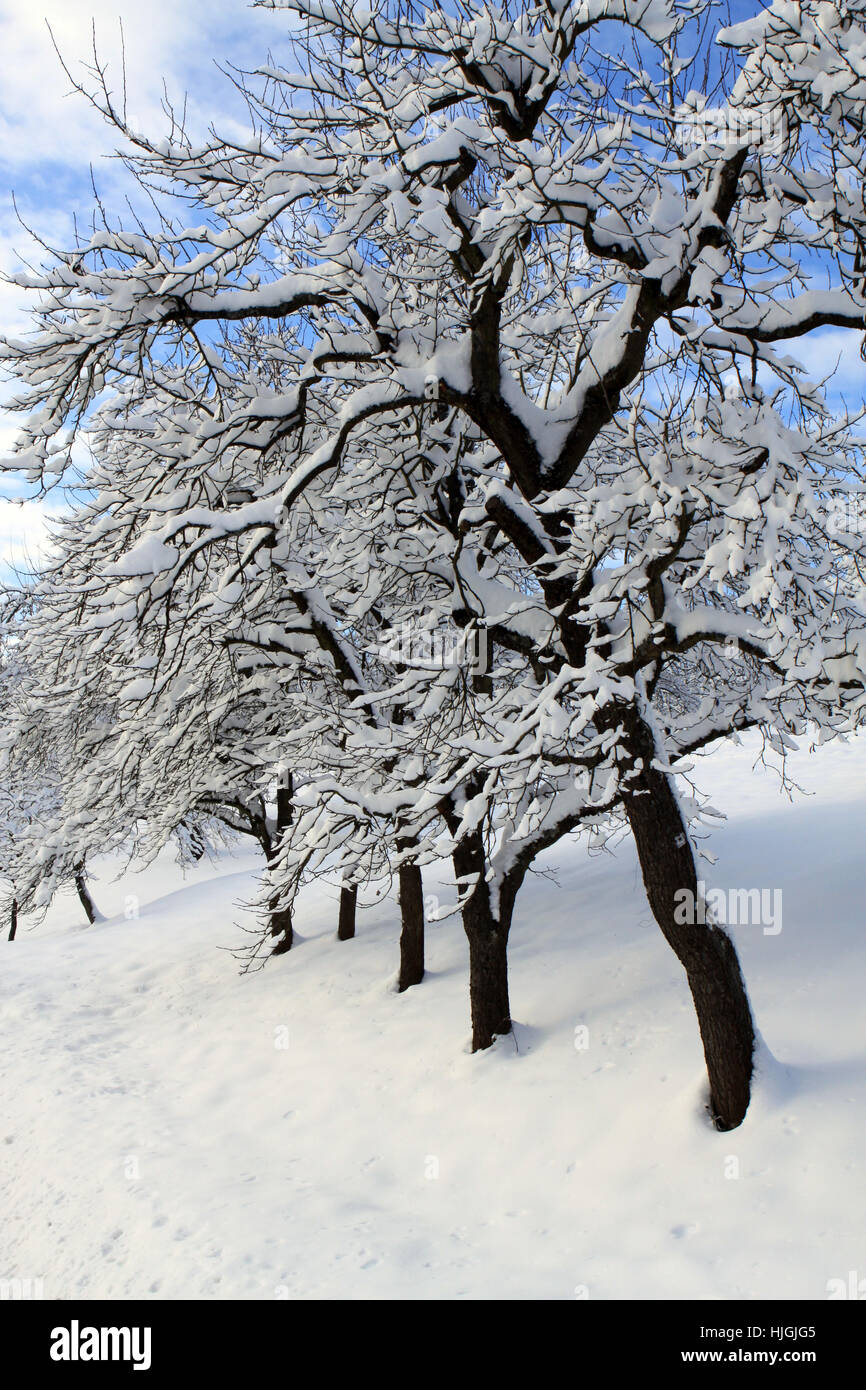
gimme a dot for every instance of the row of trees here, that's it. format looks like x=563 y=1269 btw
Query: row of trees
x=448 y=482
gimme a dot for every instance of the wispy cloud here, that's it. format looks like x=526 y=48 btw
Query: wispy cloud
x=52 y=141
x=164 y=41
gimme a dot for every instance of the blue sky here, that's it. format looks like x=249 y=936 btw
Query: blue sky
x=49 y=138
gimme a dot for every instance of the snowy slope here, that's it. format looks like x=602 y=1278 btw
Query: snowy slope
x=158 y=1140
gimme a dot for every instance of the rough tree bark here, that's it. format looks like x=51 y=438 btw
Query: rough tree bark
x=487 y=933
x=281 y=925
x=84 y=897
x=13 y=919
x=348 y=905
x=706 y=952
x=412 y=927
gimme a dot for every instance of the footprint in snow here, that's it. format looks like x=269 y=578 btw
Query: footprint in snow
x=683 y=1232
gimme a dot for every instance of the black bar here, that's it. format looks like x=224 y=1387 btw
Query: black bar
x=236 y=1338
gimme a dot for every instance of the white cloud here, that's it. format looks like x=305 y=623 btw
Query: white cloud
x=24 y=535
x=163 y=39
x=834 y=353
x=50 y=135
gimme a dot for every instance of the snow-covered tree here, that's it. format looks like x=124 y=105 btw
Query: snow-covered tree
x=33 y=863
x=461 y=330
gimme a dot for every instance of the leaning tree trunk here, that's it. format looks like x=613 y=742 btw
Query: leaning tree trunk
x=84 y=897
x=280 y=918
x=412 y=927
x=13 y=919
x=348 y=906
x=487 y=934
x=706 y=952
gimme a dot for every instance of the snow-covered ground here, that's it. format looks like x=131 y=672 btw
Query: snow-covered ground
x=172 y=1129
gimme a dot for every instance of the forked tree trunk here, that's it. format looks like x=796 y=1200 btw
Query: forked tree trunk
x=487 y=934
x=280 y=918
x=84 y=897
x=411 y=927
x=348 y=905
x=13 y=919
x=706 y=952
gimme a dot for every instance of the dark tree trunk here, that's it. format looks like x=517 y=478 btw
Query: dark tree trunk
x=411 y=896
x=281 y=928
x=84 y=897
x=196 y=843
x=348 y=905
x=706 y=952
x=280 y=918
x=13 y=919
x=487 y=934
x=412 y=927
x=488 y=979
